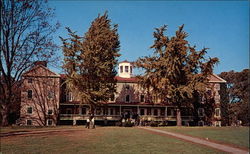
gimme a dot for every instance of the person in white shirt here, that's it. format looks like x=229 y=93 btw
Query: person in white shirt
x=87 y=124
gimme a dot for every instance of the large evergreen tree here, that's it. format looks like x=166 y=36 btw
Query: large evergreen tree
x=90 y=61
x=176 y=71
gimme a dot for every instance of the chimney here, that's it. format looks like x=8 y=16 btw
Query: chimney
x=43 y=63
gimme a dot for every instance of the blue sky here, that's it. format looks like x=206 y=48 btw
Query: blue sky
x=222 y=26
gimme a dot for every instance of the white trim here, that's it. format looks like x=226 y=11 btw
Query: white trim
x=48 y=122
x=222 y=80
x=27 y=122
x=51 y=110
x=219 y=112
x=31 y=110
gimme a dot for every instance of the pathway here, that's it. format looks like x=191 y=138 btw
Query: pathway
x=218 y=146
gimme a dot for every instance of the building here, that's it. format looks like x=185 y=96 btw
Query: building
x=45 y=101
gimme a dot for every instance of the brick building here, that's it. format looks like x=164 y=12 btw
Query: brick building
x=45 y=101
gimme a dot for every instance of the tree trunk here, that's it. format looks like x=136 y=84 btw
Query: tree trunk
x=4 y=114
x=178 y=117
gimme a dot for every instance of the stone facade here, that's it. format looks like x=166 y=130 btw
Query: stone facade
x=52 y=104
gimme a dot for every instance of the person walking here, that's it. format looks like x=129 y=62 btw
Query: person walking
x=88 y=122
x=93 y=122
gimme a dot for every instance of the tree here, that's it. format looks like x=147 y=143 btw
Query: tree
x=90 y=62
x=26 y=36
x=176 y=71
x=238 y=92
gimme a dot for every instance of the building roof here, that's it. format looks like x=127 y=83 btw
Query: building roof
x=213 y=78
x=216 y=78
x=125 y=61
x=120 y=79
x=32 y=71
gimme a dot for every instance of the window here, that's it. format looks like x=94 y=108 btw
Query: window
x=29 y=80
x=200 y=112
x=112 y=97
x=111 y=112
x=217 y=112
x=29 y=94
x=142 y=112
x=50 y=94
x=127 y=98
x=50 y=111
x=126 y=69
x=201 y=123
x=142 y=98
x=156 y=112
x=68 y=111
x=69 y=96
x=84 y=111
x=50 y=122
x=98 y=111
x=121 y=69
x=29 y=122
x=131 y=69
x=29 y=110
x=209 y=92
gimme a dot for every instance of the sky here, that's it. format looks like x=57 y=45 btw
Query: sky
x=221 y=26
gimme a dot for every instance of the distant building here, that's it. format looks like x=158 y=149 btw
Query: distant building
x=45 y=101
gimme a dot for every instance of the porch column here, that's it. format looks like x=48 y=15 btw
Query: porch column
x=120 y=110
x=166 y=111
x=138 y=110
x=74 y=121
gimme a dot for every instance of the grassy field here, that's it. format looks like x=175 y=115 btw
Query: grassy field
x=27 y=129
x=238 y=136
x=101 y=140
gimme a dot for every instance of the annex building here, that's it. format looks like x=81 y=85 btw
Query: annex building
x=45 y=101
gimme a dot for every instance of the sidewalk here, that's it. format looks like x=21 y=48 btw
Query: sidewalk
x=217 y=146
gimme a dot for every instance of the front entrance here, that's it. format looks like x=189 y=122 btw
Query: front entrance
x=127 y=113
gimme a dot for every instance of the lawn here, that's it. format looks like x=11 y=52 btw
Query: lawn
x=100 y=140
x=238 y=136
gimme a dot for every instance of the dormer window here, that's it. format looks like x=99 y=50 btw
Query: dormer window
x=126 y=69
x=121 y=69
x=127 y=87
x=142 y=98
x=127 y=99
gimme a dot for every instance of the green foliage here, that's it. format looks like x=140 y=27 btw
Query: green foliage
x=90 y=61
x=238 y=90
x=176 y=70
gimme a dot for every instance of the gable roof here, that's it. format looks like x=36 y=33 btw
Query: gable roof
x=125 y=61
x=216 y=78
x=34 y=72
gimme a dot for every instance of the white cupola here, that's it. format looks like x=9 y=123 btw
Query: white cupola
x=125 y=69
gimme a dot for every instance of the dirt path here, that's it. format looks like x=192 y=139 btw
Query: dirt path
x=218 y=146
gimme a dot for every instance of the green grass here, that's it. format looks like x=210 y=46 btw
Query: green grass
x=110 y=140
x=238 y=136
x=32 y=128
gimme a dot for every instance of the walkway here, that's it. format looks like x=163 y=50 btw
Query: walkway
x=221 y=147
